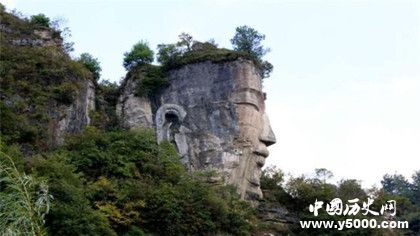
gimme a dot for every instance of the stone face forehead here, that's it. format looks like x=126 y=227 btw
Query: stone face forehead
x=215 y=82
x=247 y=77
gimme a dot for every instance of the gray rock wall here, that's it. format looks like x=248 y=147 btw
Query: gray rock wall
x=214 y=114
x=134 y=111
x=73 y=118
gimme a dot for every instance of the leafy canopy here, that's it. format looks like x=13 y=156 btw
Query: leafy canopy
x=249 y=40
x=41 y=20
x=140 y=54
x=92 y=64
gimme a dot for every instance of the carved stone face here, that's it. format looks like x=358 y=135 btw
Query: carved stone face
x=214 y=113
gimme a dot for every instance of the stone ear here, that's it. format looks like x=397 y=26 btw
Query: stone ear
x=167 y=117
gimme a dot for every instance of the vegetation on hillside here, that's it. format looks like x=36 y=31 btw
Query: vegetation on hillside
x=34 y=80
x=24 y=200
x=298 y=193
x=130 y=184
x=92 y=64
x=108 y=181
x=187 y=51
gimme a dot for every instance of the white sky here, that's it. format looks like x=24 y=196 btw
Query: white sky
x=345 y=91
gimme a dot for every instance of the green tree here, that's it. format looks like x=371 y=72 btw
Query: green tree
x=396 y=184
x=185 y=40
x=323 y=174
x=168 y=53
x=415 y=196
x=249 y=40
x=350 y=189
x=140 y=54
x=41 y=20
x=71 y=212
x=272 y=177
x=92 y=64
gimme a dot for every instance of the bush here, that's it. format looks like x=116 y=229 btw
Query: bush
x=40 y=20
x=140 y=54
x=168 y=54
x=65 y=93
x=153 y=80
x=71 y=212
x=131 y=185
x=187 y=51
x=33 y=79
x=92 y=64
x=104 y=116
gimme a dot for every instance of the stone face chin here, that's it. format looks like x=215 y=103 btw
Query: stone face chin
x=214 y=114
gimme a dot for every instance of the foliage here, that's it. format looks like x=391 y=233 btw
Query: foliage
x=152 y=81
x=140 y=54
x=41 y=20
x=24 y=201
x=415 y=188
x=185 y=40
x=188 y=51
x=176 y=59
x=65 y=93
x=350 y=189
x=71 y=212
x=271 y=177
x=129 y=184
x=297 y=193
x=33 y=81
x=248 y=40
x=323 y=174
x=396 y=184
x=92 y=64
x=104 y=117
x=194 y=208
x=168 y=54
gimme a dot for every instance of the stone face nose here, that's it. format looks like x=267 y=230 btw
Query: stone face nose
x=267 y=135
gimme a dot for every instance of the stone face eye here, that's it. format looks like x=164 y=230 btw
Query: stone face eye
x=170 y=117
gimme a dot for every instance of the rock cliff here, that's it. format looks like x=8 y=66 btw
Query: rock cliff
x=74 y=117
x=42 y=90
x=213 y=112
x=212 y=109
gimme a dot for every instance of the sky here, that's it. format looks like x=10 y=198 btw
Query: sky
x=345 y=90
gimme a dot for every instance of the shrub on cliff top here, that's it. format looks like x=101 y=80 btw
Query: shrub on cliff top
x=154 y=79
x=41 y=20
x=248 y=40
x=92 y=64
x=187 y=51
x=140 y=54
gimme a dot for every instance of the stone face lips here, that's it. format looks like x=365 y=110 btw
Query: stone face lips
x=214 y=114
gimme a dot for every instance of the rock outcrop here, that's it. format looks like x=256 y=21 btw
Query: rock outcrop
x=134 y=111
x=214 y=113
x=74 y=117
x=42 y=90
